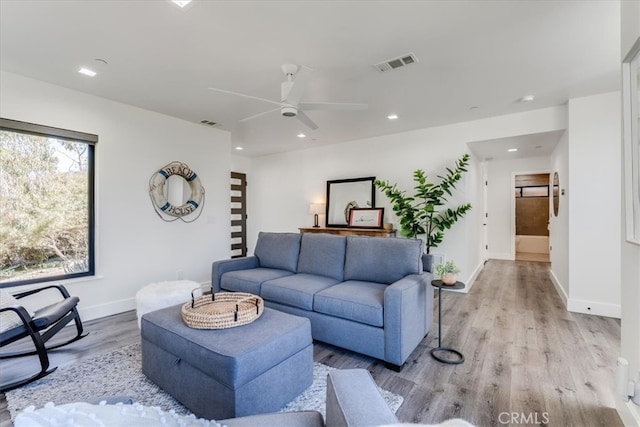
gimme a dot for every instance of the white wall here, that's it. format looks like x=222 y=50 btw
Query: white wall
x=284 y=185
x=501 y=202
x=134 y=247
x=594 y=198
x=630 y=253
x=559 y=225
x=240 y=164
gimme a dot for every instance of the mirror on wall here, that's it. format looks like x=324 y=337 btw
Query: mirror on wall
x=631 y=137
x=346 y=194
x=556 y=193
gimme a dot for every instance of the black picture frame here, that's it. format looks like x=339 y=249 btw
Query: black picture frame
x=346 y=194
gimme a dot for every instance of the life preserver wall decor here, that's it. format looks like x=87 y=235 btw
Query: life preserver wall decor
x=157 y=192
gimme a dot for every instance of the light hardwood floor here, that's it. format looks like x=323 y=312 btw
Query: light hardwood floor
x=526 y=356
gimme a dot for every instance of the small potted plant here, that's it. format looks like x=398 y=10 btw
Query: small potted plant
x=447 y=272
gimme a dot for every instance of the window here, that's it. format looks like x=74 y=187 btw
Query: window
x=46 y=203
x=538 y=191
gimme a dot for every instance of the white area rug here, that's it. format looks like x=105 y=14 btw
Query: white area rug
x=119 y=373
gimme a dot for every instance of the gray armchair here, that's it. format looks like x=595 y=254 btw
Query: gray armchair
x=352 y=400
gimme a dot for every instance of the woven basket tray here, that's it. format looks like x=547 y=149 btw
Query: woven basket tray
x=224 y=310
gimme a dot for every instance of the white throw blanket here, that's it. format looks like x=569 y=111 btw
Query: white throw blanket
x=82 y=414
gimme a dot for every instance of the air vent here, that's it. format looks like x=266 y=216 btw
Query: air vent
x=399 y=62
x=208 y=122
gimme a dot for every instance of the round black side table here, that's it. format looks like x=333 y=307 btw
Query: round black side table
x=440 y=349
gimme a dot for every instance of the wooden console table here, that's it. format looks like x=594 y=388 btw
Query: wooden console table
x=351 y=231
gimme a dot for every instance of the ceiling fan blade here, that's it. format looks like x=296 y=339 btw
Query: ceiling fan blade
x=331 y=106
x=299 y=85
x=244 y=96
x=306 y=120
x=259 y=114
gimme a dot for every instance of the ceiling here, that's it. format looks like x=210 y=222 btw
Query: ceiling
x=539 y=144
x=476 y=59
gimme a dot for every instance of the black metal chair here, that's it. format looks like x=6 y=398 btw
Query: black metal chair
x=45 y=323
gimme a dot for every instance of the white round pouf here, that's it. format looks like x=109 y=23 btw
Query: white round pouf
x=163 y=294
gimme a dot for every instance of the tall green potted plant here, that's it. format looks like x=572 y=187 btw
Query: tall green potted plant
x=423 y=213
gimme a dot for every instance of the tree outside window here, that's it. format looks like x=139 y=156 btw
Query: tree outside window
x=46 y=204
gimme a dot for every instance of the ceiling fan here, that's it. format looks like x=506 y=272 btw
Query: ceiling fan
x=291 y=92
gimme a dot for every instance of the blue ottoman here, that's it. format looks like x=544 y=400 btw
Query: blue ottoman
x=226 y=373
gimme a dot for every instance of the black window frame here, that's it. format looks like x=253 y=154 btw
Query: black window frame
x=520 y=193
x=91 y=140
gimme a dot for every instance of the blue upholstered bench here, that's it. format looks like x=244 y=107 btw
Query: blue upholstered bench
x=251 y=369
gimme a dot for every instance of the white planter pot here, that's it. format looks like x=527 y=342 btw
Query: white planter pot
x=449 y=279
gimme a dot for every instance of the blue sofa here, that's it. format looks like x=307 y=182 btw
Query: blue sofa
x=365 y=294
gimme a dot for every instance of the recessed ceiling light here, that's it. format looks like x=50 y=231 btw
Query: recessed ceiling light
x=87 y=72
x=511 y=150
x=181 y=3
x=301 y=135
x=239 y=148
x=527 y=98
x=392 y=117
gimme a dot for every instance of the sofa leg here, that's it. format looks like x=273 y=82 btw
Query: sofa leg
x=396 y=368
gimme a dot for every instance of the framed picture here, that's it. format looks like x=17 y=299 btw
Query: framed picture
x=366 y=217
x=631 y=135
x=346 y=194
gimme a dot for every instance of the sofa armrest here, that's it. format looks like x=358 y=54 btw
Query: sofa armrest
x=353 y=399
x=408 y=308
x=218 y=268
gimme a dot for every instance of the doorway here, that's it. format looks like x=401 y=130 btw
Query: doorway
x=238 y=215
x=532 y=217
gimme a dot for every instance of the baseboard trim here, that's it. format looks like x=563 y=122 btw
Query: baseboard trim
x=113 y=307
x=108 y=309
x=472 y=279
x=559 y=289
x=582 y=306
x=595 y=308
x=629 y=412
x=501 y=255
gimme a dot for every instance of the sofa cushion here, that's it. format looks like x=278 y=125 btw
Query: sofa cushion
x=278 y=250
x=322 y=254
x=381 y=259
x=249 y=280
x=296 y=290
x=353 y=300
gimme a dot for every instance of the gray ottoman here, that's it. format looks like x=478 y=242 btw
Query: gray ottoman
x=226 y=373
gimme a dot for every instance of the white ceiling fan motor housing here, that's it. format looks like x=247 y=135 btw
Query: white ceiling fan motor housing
x=289 y=111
